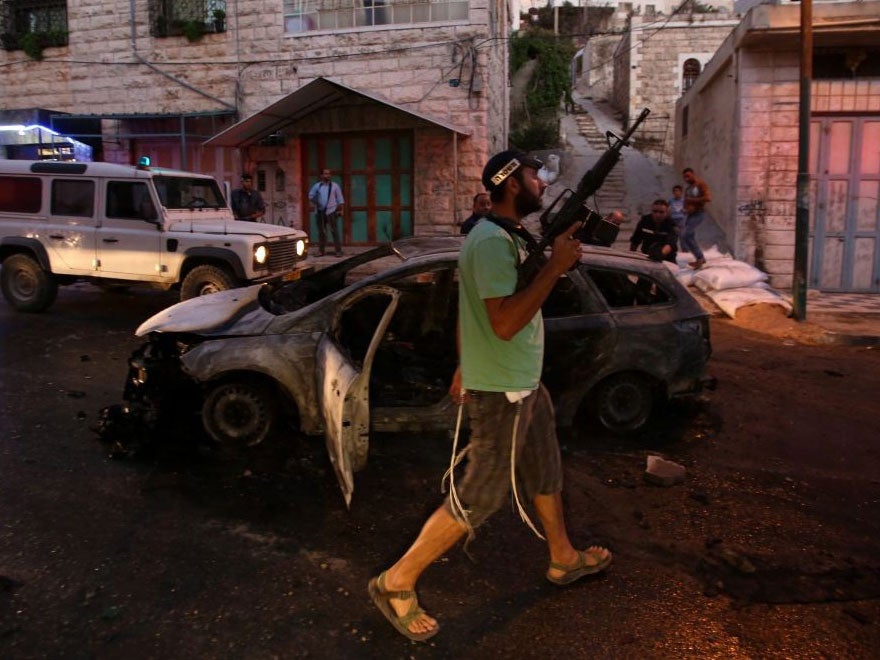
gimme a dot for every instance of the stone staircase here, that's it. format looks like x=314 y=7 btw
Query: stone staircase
x=612 y=194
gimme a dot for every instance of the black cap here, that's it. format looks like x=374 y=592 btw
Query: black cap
x=246 y=177
x=502 y=165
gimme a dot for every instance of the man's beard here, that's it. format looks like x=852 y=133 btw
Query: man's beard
x=527 y=202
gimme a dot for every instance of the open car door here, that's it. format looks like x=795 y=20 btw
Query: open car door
x=343 y=362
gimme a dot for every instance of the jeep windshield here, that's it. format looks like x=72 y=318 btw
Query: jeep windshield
x=182 y=192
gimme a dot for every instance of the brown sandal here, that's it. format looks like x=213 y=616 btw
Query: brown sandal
x=581 y=567
x=382 y=599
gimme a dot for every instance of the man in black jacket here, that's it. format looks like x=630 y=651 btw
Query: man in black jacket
x=656 y=233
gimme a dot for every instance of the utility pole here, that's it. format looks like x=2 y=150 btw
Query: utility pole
x=802 y=213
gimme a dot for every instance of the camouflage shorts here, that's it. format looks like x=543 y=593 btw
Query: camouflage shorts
x=486 y=480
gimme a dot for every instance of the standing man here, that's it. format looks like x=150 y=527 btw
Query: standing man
x=513 y=430
x=656 y=233
x=696 y=196
x=482 y=206
x=247 y=203
x=327 y=198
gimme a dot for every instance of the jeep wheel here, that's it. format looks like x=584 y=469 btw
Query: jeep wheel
x=26 y=286
x=202 y=280
x=239 y=413
x=624 y=402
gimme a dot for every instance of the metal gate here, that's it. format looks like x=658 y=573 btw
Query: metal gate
x=845 y=188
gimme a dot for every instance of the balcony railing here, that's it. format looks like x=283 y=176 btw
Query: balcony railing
x=307 y=15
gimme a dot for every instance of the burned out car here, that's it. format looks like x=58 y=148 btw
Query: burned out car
x=368 y=344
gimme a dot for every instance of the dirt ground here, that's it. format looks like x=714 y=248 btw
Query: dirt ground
x=770 y=548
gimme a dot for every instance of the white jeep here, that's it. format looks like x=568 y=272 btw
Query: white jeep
x=62 y=222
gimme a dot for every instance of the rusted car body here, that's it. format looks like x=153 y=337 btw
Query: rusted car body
x=368 y=344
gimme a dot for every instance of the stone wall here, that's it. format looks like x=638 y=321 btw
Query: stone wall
x=597 y=78
x=708 y=144
x=620 y=89
x=109 y=69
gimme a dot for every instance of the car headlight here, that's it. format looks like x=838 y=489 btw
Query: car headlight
x=300 y=247
x=261 y=255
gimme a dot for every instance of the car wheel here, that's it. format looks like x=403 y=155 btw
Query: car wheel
x=239 y=413
x=624 y=402
x=202 y=280
x=26 y=286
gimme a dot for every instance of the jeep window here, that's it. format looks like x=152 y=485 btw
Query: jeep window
x=178 y=192
x=626 y=288
x=20 y=194
x=129 y=199
x=73 y=197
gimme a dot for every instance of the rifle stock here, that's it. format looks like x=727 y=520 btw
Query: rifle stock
x=574 y=208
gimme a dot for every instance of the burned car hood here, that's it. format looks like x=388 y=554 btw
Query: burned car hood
x=231 y=312
x=206 y=224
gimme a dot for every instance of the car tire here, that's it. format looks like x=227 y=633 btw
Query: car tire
x=239 y=413
x=26 y=286
x=205 y=279
x=624 y=402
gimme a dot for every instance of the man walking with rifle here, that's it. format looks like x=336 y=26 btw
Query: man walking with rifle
x=513 y=443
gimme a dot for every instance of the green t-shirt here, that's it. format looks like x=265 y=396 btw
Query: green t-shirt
x=487 y=269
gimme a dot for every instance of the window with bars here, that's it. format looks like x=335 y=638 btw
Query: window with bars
x=690 y=70
x=190 y=18
x=32 y=25
x=308 y=15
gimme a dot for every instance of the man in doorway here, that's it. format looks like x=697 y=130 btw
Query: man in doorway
x=247 y=203
x=327 y=199
x=513 y=430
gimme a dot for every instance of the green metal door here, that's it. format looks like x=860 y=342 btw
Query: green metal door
x=374 y=171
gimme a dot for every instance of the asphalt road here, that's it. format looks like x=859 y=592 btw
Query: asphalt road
x=769 y=549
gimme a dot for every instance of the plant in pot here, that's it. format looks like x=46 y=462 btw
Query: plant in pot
x=219 y=20
x=33 y=43
x=193 y=30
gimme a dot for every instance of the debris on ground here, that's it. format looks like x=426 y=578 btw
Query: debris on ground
x=663 y=473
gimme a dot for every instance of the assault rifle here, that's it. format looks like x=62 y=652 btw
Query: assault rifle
x=575 y=210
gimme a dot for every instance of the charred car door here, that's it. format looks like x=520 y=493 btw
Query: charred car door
x=343 y=362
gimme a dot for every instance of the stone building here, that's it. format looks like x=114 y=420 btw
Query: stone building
x=738 y=128
x=656 y=61
x=402 y=101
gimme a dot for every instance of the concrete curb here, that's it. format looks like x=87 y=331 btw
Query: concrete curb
x=841 y=339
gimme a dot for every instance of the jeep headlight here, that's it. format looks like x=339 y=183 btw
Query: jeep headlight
x=300 y=247
x=261 y=255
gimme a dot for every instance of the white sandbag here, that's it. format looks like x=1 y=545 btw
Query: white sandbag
x=730 y=274
x=685 y=276
x=714 y=254
x=730 y=300
x=711 y=255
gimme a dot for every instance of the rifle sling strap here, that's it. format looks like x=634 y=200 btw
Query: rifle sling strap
x=514 y=229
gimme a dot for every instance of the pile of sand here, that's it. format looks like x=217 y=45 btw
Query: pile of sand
x=773 y=320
